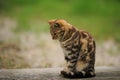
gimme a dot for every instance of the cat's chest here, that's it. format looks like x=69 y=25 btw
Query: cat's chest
x=67 y=50
x=70 y=49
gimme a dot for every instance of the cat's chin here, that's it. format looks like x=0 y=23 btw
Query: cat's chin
x=54 y=38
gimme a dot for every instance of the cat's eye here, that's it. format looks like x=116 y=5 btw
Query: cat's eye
x=56 y=25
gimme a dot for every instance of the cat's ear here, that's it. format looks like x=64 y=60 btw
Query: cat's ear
x=51 y=22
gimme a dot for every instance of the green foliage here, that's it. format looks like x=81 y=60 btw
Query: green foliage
x=97 y=7
x=100 y=17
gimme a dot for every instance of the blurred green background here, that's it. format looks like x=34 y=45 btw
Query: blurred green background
x=99 y=17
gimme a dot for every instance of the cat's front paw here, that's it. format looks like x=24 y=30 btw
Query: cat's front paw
x=67 y=74
x=63 y=73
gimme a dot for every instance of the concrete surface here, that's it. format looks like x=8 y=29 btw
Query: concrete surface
x=102 y=73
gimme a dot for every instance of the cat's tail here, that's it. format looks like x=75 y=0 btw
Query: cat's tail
x=81 y=74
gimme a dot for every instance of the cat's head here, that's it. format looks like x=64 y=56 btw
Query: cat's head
x=58 y=27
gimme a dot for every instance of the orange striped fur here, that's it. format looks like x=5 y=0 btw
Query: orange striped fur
x=78 y=47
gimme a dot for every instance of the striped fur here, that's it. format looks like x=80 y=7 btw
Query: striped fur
x=78 y=47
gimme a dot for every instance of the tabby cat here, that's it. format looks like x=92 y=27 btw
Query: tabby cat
x=78 y=47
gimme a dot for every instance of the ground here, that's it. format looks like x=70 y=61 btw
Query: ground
x=102 y=73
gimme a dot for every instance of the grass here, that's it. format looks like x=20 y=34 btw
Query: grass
x=101 y=17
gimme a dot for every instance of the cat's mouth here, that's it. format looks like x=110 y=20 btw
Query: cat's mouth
x=54 y=36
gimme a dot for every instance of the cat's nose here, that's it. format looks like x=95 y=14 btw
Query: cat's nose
x=54 y=36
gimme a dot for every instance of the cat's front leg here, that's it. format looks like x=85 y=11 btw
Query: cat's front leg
x=65 y=67
x=66 y=70
x=70 y=68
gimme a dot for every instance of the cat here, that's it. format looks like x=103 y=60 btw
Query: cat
x=78 y=47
